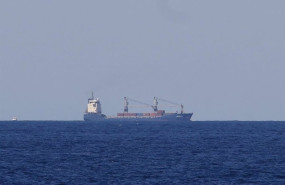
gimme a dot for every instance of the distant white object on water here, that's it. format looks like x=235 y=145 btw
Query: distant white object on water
x=14 y=118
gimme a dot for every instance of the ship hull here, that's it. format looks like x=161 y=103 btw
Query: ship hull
x=172 y=117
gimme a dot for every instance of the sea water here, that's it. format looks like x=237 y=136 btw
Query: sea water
x=77 y=152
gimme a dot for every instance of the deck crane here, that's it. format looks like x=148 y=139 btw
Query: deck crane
x=154 y=106
x=170 y=104
x=140 y=104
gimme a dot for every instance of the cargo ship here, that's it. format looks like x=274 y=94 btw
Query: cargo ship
x=94 y=112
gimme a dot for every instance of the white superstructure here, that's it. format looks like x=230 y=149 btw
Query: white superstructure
x=94 y=105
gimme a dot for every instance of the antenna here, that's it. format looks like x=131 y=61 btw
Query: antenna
x=92 y=96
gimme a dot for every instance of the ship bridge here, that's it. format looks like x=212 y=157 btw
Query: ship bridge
x=94 y=105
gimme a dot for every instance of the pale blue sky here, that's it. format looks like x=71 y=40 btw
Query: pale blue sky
x=223 y=59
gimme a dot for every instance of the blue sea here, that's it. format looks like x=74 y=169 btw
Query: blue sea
x=77 y=152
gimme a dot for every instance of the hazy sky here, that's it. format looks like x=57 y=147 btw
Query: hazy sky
x=223 y=59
